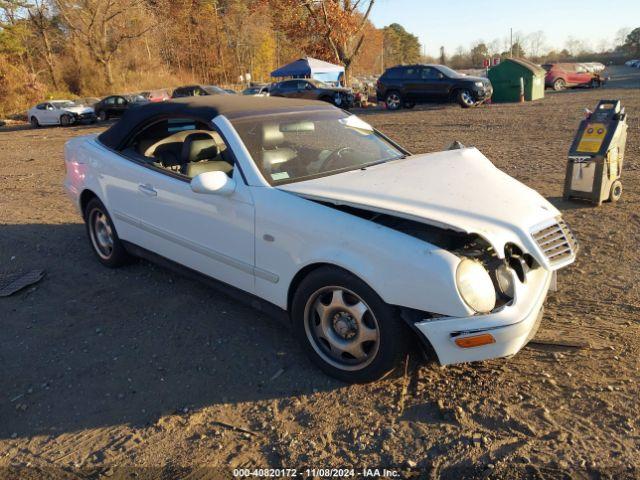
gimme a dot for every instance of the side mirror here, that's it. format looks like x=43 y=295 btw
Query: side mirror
x=216 y=182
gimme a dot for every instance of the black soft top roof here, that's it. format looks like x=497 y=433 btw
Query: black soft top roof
x=204 y=109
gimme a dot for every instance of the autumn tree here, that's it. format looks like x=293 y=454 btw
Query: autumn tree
x=104 y=26
x=400 y=46
x=329 y=29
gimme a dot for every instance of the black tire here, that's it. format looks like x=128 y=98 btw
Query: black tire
x=102 y=116
x=382 y=354
x=34 y=122
x=65 y=120
x=393 y=100
x=616 y=191
x=409 y=105
x=465 y=99
x=114 y=256
x=559 y=84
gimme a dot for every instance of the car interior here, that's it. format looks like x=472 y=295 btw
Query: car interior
x=188 y=152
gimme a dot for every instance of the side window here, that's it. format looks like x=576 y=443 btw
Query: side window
x=410 y=73
x=121 y=101
x=110 y=101
x=428 y=73
x=394 y=73
x=41 y=106
x=183 y=146
x=302 y=85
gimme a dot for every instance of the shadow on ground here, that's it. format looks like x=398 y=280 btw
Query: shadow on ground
x=89 y=346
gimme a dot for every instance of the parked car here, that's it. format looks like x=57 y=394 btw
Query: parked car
x=257 y=90
x=312 y=89
x=404 y=86
x=59 y=112
x=564 y=75
x=197 y=91
x=312 y=211
x=632 y=63
x=230 y=91
x=159 y=95
x=115 y=105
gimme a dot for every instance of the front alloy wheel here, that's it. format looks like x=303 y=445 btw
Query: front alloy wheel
x=341 y=328
x=345 y=327
x=465 y=99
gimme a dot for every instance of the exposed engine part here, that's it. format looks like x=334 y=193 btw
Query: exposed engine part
x=459 y=243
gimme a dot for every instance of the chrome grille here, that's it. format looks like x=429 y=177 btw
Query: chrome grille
x=557 y=242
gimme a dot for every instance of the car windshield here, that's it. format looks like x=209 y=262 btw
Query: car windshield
x=449 y=72
x=63 y=104
x=213 y=90
x=297 y=146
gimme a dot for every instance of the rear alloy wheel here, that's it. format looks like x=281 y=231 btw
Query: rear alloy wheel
x=393 y=101
x=103 y=236
x=616 y=191
x=65 y=120
x=102 y=116
x=347 y=330
x=34 y=122
x=466 y=99
x=559 y=84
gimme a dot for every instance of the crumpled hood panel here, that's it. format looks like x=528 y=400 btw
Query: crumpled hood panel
x=458 y=189
x=79 y=109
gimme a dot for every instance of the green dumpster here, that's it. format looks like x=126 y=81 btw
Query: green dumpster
x=505 y=78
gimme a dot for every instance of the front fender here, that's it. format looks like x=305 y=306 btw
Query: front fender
x=403 y=270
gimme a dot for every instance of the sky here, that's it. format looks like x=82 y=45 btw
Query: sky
x=454 y=23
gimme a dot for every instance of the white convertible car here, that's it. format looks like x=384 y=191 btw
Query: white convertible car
x=59 y=112
x=310 y=209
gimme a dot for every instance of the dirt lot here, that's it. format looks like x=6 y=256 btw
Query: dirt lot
x=142 y=368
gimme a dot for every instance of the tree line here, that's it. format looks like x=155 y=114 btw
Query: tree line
x=96 y=47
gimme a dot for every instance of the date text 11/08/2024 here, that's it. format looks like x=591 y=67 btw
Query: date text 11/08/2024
x=316 y=472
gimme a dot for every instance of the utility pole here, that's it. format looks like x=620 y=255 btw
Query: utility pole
x=511 y=43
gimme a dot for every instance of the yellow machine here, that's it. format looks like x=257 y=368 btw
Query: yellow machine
x=596 y=155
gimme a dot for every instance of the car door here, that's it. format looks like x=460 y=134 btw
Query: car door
x=412 y=83
x=120 y=106
x=108 y=105
x=40 y=112
x=49 y=114
x=212 y=234
x=433 y=85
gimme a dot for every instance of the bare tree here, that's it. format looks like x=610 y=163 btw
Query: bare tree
x=105 y=26
x=39 y=17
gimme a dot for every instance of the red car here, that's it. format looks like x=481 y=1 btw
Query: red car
x=562 y=75
x=156 y=95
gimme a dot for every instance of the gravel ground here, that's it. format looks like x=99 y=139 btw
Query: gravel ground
x=141 y=372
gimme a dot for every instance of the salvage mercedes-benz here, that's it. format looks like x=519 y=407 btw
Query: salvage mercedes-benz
x=310 y=209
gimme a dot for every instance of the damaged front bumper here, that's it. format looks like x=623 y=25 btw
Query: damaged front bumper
x=511 y=326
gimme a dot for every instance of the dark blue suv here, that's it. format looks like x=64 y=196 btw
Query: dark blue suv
x=406 y=85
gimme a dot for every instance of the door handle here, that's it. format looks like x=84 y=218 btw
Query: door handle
x=147 y=190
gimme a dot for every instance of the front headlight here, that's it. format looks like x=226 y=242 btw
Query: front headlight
x=479 y=84
x=475 y=286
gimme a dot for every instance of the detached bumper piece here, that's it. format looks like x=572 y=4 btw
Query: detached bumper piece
x=498 y=334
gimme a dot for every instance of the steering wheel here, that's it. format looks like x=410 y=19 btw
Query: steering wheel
x=333 y=157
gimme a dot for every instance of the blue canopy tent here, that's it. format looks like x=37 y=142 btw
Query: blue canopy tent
x=311 y=67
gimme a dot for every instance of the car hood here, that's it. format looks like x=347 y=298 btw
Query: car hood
x=475 y=79
x=455 y=189
x=79 y=109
